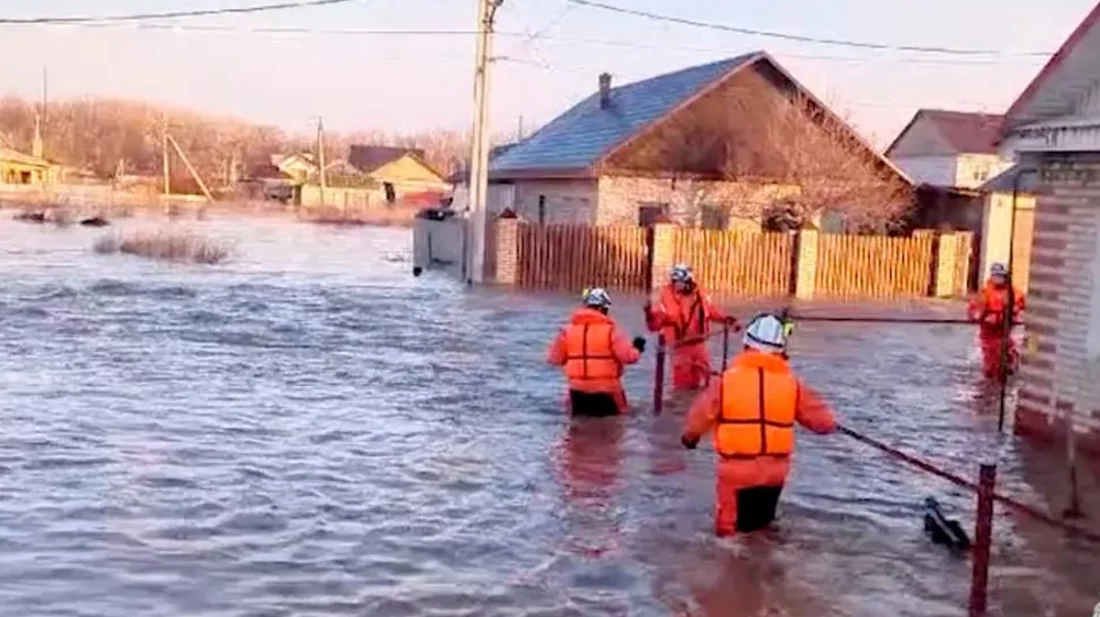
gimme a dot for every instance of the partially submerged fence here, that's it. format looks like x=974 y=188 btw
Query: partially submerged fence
x=807 y=264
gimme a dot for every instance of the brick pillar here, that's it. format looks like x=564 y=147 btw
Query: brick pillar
x=946 y=272
x=507 y=251
x=806 y=274
x=664 y=254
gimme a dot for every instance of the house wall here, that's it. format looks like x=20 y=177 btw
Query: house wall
x=565 y=201
x=408 y=175
x=940 y=170
x=996 y=230
x=1060 y=381
x=621 y=198
x=973 y=170
x=13 y=172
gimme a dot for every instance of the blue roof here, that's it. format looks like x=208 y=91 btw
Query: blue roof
x=581 y=136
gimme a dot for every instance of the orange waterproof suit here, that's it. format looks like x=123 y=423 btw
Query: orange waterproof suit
x=685 y=317
x=752 y=411
x=593 y=351
x=988 y=309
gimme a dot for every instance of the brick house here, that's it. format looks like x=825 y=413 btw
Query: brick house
x=1054 y=130
x=613 y=159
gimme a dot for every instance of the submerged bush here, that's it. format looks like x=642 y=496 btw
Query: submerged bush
x=166 y=245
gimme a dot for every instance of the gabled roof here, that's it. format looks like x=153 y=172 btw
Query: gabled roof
x=965 y=132
x=583 y=135
x=1020 y=112
x=579 y=140
x=369 y=158
x=15 y=156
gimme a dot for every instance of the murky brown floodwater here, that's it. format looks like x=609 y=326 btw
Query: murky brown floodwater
x=311 y=431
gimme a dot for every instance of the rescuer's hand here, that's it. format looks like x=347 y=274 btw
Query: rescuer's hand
x=688 y=442
x=639 y=344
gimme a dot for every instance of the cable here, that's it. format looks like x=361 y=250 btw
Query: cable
x=796 y=37
x=243 y=10
x=214 y=28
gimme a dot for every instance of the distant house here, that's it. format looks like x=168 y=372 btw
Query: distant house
x=297 y=167
x=950 y=149
x=398 y=171
x=1053 y=131
x=25 y=169
x=603 y=161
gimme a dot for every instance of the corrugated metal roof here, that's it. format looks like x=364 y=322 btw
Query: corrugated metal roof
x=581 y=136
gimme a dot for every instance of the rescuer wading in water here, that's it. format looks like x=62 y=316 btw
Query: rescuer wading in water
x=592 y=349
x=684 y=314
x=752 y=410
x=989 y=310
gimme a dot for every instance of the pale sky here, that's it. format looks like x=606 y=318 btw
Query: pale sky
x=555 y=51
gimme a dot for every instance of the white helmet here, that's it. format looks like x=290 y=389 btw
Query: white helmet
x=596 y=297
x=998 y=269
x=766 y=333
x=680 y=273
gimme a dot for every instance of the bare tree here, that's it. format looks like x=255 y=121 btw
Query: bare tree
x=764 y=151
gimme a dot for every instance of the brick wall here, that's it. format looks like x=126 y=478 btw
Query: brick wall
x=621 y=196
x=1057 y=380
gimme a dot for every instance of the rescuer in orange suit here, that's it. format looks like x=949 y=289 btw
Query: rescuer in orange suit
x=752 y=411
x=989 y=309
x=684 y=314
x=593 y=351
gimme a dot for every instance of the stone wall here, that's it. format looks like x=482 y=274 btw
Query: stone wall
x=1060 y=373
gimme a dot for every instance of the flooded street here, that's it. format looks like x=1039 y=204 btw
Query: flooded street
x=309 y=430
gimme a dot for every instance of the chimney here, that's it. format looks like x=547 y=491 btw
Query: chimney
x=605 y=90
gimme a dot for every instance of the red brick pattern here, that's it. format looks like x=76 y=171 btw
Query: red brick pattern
x=1055 y=382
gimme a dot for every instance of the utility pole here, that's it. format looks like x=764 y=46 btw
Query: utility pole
x=321 y=156
x=479 y=159
x=164 y=155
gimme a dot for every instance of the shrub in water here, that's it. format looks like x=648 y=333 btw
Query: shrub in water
x=166 y=245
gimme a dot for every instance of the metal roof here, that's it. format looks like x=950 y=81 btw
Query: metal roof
x=580 y=137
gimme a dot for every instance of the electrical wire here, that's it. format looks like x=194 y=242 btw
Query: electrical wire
x=299 y=30
x=797 y=37
x=137 y=17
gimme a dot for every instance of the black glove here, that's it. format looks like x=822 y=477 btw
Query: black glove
x=689 y=443
x=639 y=344
x=732 y=323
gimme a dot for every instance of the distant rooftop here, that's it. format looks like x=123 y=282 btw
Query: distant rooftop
x=965 y=132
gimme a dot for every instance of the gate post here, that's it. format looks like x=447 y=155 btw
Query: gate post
x=806 y=274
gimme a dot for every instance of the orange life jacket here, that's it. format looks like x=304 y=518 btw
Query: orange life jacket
x=686 y=313
x=589 y=353
x=759 y=400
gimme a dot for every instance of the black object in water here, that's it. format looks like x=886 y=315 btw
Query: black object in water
x=941 y=529
x=417 y=270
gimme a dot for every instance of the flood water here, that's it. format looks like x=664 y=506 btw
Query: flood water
x=309 y=430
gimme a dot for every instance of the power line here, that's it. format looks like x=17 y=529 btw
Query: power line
x=796 y=37
x=305 y=30
x=242 y=10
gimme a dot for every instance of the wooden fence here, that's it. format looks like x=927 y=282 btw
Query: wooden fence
x=729 y=263
x=572 y=257
x=738 y=263
x=874 y=266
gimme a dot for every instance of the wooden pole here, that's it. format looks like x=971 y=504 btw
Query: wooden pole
x=659 y=376
x=190 y=168
x=983 y=541
x=164 y=155
x=321 y=159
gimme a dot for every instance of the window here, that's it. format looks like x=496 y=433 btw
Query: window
x=713 y=217
x=542 y=209
x=651 y=212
